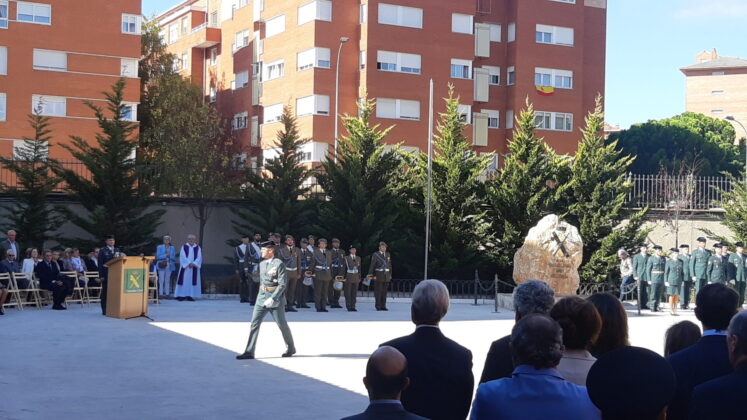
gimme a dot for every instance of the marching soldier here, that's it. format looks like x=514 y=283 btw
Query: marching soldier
x=687 y=283
x=252 y=262
x=338 y=269
x=289 y=254
x=271 y=298
x=699 y=264
x=322 y=275
x=639 y=274
x=352 y=278
x=305 y=262
x=738 y=280
x=715 y=270
x=655 y=275
x=381 y=270
x=674 y=274
x=242 y=268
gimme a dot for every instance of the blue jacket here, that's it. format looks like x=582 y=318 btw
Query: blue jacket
x=719 y=399
x=161 y=256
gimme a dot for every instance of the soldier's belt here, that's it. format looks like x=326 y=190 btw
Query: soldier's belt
x=352 y=271
x=657 y=272
x=320 y=267
x=269 y=288
x=291 y=269
x=336 y=265
x=382 y=269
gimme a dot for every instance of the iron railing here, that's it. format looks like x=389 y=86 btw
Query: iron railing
x=9 y=179
x=684 y=193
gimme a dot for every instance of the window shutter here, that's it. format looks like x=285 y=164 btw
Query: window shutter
x=482 y=40
x=482 y=77
x=479 y=129
x=564 y=36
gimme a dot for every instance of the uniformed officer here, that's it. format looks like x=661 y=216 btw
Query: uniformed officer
x=725 y=254
x=338 y=269
x=639 y=274
x=352 y=278
x=106 y=254
x=289 y=254
x=322 y=275
x=242 y=268
x=305 y=263
x=687 y=283
x=381 y=269
x=271 y=299
x=699 y=264
x=715 y=269
x=253 y=260
x=737 y=279
x=311 y=246
x=674 y=275
x=655 y=276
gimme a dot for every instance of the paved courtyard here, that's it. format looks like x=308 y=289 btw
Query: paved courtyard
x=78 y=364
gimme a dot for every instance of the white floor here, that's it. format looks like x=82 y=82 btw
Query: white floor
x=77 y=364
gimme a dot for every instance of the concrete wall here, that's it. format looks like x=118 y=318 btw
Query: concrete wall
x=690 y=228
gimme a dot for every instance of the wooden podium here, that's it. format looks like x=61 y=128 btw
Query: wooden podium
x=127 y=295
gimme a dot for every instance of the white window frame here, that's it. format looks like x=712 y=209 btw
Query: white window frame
x=363 y=14
x=319 y=105
x=398 y=105
x=565 y=1
x=4 y=21
x=240 y=81
x=3 y=107
x=495 y=32
x=254 y=134
x=20 y=145
x=459 y=66
x=493 y=116
x=495 y=75
x=511 y=76
x=274 y=109
x=132 y=106
x=273 y=70
x=511 y=32
x=553 y=75
x=317 y=54
x=212 y=94
x=399 y=58
x=466 y=113
x=138 y=22
x=35 y=16
x=399 y=18
x=457 y=24
x=185 y=61
x=548 y=120
x=38 y=53
x=278 y=20
x=509 y=119
x=240 y=39
x=214 y=56
x=186 y=26
x=3 y=60
x=553 y=32
x=362 y=60
x=59 y=105
x=319 y=12
x=717 y=92
x=240 y=121
x=129 y=67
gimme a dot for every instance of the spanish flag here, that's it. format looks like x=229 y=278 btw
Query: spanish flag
x=545 y=90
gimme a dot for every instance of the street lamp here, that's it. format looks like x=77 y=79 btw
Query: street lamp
x=731 y=118
x=343 y=40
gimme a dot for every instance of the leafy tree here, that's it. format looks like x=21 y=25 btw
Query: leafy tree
x=682 y=138
x=29 y=214
x=274 y=197
x=114 y=200
x=735 y=212
x=459 y=229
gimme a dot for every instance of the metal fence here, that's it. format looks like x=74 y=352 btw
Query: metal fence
x=688 y=193
x=9 y=179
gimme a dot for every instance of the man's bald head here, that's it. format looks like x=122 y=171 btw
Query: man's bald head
x=386 y=374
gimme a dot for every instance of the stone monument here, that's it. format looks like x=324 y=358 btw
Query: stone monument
x=552 y=252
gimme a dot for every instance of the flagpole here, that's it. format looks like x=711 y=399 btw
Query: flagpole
x=429 y=180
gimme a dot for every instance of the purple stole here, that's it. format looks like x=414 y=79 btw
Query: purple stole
x=194 y=270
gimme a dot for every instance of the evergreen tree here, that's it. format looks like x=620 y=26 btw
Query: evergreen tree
x=114 y=201
x=28 y=214
x=459 y=228
x=734 y=203
x=274 y=197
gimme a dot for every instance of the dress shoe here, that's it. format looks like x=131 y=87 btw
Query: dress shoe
x=245 y=356
x=291 y=309
x=190 y=299
x=58 y=308
x=304 y=306
x=243 y=301
x=337 y=306
x=180 y=298
x=384 y=309
x=353 y=310
x=2 y=311
x=288 y=353
x=323 y=310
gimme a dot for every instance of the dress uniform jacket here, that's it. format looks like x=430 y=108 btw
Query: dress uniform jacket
x=674 y=274
x=291 y=258
x=338 y=262
x=273 y=280
x=353 y=269
x=322 y=262
x=715 y=270
x=381 y=266
x=685 y=267
x=305 y=260
x=639 y=266
x=736 y=264
x=655 y=269
x=699 y=263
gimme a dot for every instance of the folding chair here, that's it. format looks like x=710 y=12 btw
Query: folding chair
x=153 y=287
x=14 y=296
x=79 y=292
x=93 y=292
x=31 y=293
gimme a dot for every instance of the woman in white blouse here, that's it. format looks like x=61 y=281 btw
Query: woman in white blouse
x=32 y=257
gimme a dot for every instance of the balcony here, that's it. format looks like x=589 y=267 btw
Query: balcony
x=205 y=36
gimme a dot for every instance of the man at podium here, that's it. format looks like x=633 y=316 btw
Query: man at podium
x=107 y=253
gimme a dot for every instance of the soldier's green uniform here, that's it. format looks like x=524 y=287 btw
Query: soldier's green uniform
x=639 y=275
x=305 y=263
x=687 y=283
x=322 y=276
x=352 y=280
x=291 y=259
x=338 y=269
x=381 y=268
x=739 y=260
x=674 y=275
x=655 y=276
x=698 y=266
x=716 y=270
x=273 y=281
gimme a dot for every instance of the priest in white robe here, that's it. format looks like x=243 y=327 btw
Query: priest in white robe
x=188 y=282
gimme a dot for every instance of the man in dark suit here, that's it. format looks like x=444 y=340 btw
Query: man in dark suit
x=10 y=243
x=441 y=381
x=49 y=277
x=92 y=260
x=106 y=254
x=386 y=377
x=719 y=399
x=10 y=265
x=707 y=359
x=531 y=297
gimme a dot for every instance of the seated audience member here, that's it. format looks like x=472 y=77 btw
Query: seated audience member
x=680 y=336
x=707 y=359
x=440 y=370
x=531 y=297
x=614 y=332
x=92 y=261
x=386 y=377
x=32 y=257
x=57 y=260
x=721 y=398
x=631 y=383
x=3 y=296
x=581 y=323
x=74 y=263
x=48 y=273
x=536 y=390
x=10 y=265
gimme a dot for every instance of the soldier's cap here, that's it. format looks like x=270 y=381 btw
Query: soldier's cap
x=267 y=244
x=642 y=245
x=612 y=375
x=275 y=235
x=702 y=239
x=246 y=235
x=257 y=233
x=290 y=237
x=717 y=245
x=335 y=240
x=351 y=247
x=674 y=250
x=106 y=237
x=622 y=252
x=322 y=240
x=739 y=244
x=382 y=243
x=312 y=237
x=658 y=247
x=304 y=241
x=724 y=245
x=685 y=246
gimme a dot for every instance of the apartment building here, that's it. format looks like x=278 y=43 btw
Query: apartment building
x=57 y=54
x=253 y=57
x=717 y=86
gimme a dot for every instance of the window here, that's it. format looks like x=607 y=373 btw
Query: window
x=495 y=74
x=466 y=113
x=313 y=104
x=511 y=76
x=510 y=118
x=129 y=112
x=717 y=111
x=50 y=60
x=273 y=113
x=565 y=1
x=461 y=69
x=495 y=32
x=212 y=94
x=52 y=106
x=511 y=32
x=362 y=60
x=3 y=61
x=3 y=14
x=316 y=10
x=241 y=79
x=390 y=14
x=185 y=61
x=273 y=70
x=493 y=118
x=185 y=25
x=254 y=134
x=243 y=3
x=257 y=8
x=259 y=44
x=214 y=19
x=397 y=108
x=561 y=79
x=241 y=39
x=401 y=62
x=557 y=35
x=34 y=13
x=558 y=121
x=240 y=121
x=129 y=67
x=275 y=26
x=213 y=56
x=461 y=24
x=717 y=73
x=173 y=33
x=3 y=107
x=363 y=17
x=713 y=92
x=314 y=57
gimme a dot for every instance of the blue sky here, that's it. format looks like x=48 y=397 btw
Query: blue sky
x=647 y=42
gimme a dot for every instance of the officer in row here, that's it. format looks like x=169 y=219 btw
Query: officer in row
x=716 y=267
x=687 y=281
x=639 y=274
x=674 y=275
x=655 y=266
x=736 y=276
